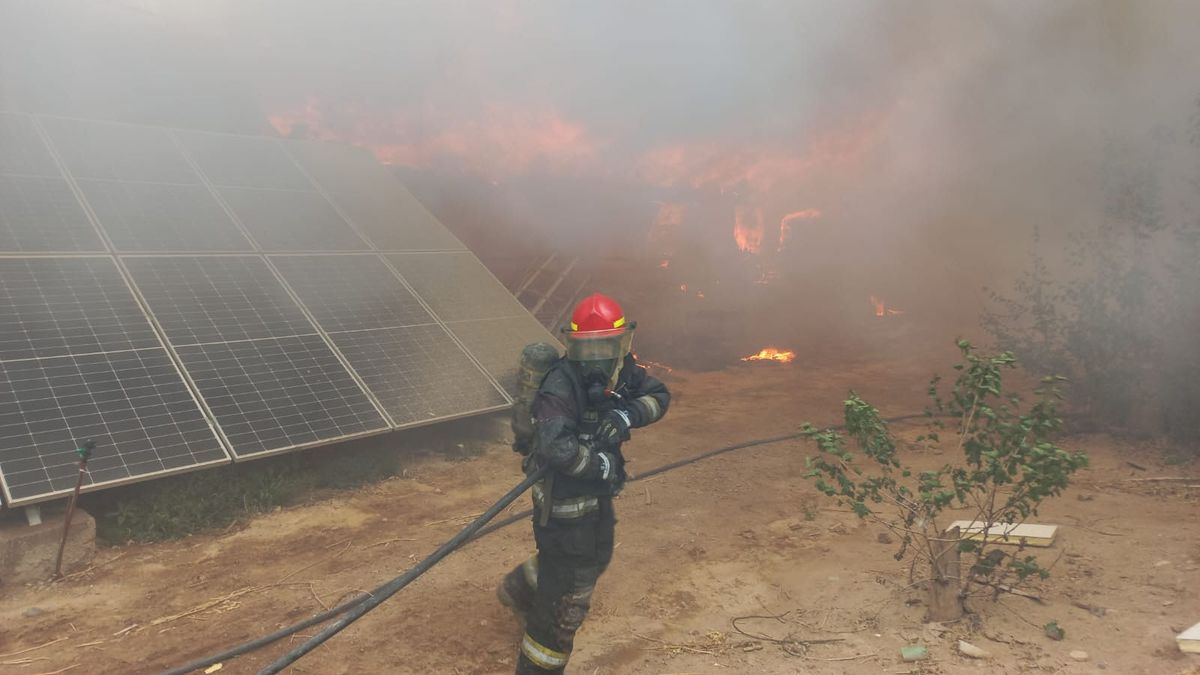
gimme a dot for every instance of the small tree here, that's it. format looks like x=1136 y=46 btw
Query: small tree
x=1010 y=464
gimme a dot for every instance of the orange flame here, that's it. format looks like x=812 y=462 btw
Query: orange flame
x=771 y=354
x=664 y=263
x=748 y=235
x=881 y=308
x=785 y=224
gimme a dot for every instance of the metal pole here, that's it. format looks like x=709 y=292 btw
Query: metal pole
x=85 y=452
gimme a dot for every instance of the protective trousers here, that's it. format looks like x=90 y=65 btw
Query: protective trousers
x=554 y=589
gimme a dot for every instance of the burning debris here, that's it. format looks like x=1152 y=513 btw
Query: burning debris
x=771 y=354
x=881 y=308
x=785 y=223
x=653 y=364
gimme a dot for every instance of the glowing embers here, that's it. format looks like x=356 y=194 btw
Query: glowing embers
x=652 y=365
x=881 y=308
x=772 y=354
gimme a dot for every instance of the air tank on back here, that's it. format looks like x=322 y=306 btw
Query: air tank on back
x=536 y=360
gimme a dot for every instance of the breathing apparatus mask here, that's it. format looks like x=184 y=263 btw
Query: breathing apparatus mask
x=598 y=356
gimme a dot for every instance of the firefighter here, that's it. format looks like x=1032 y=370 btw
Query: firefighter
x=582 y=413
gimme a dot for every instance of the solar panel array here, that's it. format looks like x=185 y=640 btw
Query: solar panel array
x=188 y=298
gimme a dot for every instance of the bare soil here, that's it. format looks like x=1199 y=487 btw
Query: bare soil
x=740 y=535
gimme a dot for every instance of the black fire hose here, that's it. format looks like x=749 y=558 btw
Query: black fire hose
x=388 y=590
x=470 y=533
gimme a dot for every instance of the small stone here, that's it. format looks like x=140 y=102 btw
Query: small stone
x=1079 y=655
x=1168 y=603
x=33 y=612
x=967 y=649
x=1085 y=497
x=884 y=538
x=1162 y=563
x=837 y=528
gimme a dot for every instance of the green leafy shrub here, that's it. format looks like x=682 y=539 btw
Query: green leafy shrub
x=1010 y=463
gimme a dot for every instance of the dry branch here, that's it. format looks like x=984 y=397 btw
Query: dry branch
x=30 y=649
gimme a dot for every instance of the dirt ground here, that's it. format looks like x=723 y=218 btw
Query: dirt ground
x=740 y=535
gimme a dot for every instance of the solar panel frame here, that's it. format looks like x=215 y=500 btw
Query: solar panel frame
x=291 y=220
x=265 y=394
x=395 y=221
x=162 y=218
x=118 y=151
x=219 y=298
x=133 y=401
x=456 y=285
x=229 y=160
x=497 y=344
x=351 y=292
x=419 y=374
x=62 y=306
x=23 y=152
x=340 y=168
x=43 y=215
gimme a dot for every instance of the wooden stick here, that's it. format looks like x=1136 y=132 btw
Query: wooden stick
x=1161 y=479
x=385 y=542
x=310 y=565
x=469 y=516
x=95 y=567
x=30 y=649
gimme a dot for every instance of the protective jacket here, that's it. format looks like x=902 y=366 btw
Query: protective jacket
x=566 y=418
x=552 y=591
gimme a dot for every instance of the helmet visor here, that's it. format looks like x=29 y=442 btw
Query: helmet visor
x=600 y=353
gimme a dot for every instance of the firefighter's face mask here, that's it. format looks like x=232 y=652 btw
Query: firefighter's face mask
x=599 y=357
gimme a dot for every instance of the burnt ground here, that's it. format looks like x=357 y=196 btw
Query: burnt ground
x=739 y=535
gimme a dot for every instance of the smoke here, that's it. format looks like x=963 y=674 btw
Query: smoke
x=931 y=137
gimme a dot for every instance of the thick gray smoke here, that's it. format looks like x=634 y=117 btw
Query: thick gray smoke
x=931 y=137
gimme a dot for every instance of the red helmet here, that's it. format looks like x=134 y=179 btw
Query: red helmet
x=597 y=313
x=599 y=336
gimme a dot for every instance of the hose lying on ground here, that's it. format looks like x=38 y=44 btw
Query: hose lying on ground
x=470 y=533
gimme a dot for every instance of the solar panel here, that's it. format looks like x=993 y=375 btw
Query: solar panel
x=243 y=161
x=497 y=343
x=251 y=365
x=142 y=217
x=351 y=292
x=59 y=306
x=418 y=373
x=207 y=299
x=270 y=395
x=22 y=151
x=395 y=220
x=341 y=168
x=114 y=151
x=292 y=221
x=133 y=404
x=42 y=214
x=457 y=286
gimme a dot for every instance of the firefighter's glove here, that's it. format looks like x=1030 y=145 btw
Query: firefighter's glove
x=610 y=467
x=613 y=429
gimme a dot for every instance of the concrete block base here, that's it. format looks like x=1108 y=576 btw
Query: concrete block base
x=27 y=553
